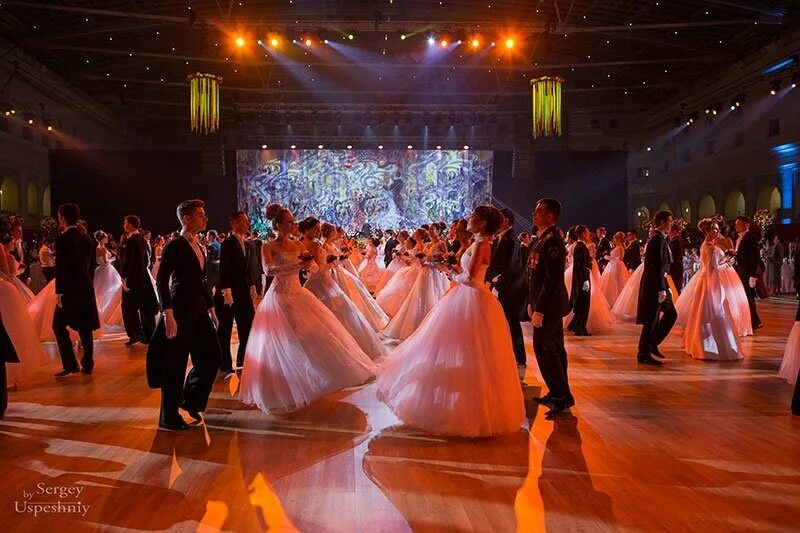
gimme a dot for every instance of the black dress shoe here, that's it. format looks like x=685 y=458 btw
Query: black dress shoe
x=64 y=372
x=583 y=334
x=647 y=361
x=87 y=371
x=654 y=351
x=559 y=408
x=194 y=414
x=174 y=426
x=758 y=326
x=547 y=399
x=131 y=342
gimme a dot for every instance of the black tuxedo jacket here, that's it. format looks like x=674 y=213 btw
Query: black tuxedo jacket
x=75 y=258
x=234 y=268
x=632 y=256
x=581 y=270
x=676 y=267
x=547 y=290
x=135 y=261
x=747 y=259
x=256 y=266
x=603 y=249
x=391 y=244
x=507 y=264
x=181 y=283
x=24 y=259
x=656 y=265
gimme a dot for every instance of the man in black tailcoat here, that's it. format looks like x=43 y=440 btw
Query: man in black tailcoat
x=580 y=293
x=632 y=257
x=7 y=355
x=506 y=273
x=747 y=265
x=235 y=292
x=677 y=249
x=603 y=249
x=391 y=244
x=187 y=325
x=19 y=250
x=656 y=312
x=256 y=265
x=76 y=306
x=548 y=304
x=139 y=305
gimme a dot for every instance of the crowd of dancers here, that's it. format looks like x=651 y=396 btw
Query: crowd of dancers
x=433 y=315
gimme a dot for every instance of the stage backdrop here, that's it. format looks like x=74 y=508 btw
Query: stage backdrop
x=384 y=188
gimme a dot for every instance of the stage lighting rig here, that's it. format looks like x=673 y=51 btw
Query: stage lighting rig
x=774 y=87
x=795 y=80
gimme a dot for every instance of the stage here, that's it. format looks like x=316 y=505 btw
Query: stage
x=688 y=446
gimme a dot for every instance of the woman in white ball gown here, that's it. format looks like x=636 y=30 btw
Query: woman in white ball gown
x=107 y=283
x=601 y=319
x=615 y=274
x=298 y=351
x=709 y=332
x=456 y=375
x=427 y=290
x=369 y=270
x=393 y=295
x=395 y=264
x=329 y=293
x=13 y=269
x=19 y=328
x=790 y=365
x=351 y=284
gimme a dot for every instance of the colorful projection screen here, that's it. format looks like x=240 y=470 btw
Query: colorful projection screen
x=397 y=189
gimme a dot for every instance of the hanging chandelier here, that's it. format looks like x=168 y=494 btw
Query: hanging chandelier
x=204 y=102
x=547 y=106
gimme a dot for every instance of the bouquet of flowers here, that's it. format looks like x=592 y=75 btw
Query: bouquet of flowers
x=419 y=255
x=331 y=258
x=305 y=257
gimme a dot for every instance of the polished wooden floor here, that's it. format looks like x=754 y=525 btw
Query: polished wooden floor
x=688 y=446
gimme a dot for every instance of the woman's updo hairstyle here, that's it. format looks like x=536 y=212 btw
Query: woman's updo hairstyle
x=306 y=224
x=328 y=229
x=572 y=235
x=99 y=235
x=421 y=235
x=276 y=213
x=705 y=224
x=619 y=236
x=490 y=215
x=580 y=229
x=375 y=241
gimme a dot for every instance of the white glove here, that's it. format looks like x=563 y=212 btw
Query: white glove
x=662 y=296
x=586 y=286
x=537 y=319
x=227 y=297
x=253 y=293
x=58 y=300
x=214 y=320
x=753 y=283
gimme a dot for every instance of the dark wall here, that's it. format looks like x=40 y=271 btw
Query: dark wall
x=592 y=186
x=109 y=184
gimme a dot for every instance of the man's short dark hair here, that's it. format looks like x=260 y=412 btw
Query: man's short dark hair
x=70 y=213
x=188 y=207
x=237 y=214
x=601 y=228
x=552 y=206
x=508 y=214
x=661 y=216
x=134 y=221
x=743 y=218
x=213 y=233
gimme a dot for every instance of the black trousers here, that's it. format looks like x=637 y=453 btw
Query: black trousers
x=796 y=396
x=243 y=312
x=657 y=326
x=4 y=391
x=49 y=273
x=580 y=312
x=755 y=320
x=138 y=314
x=517 y=340
x=65 y=349
x=191 y=390
x=677 y=279
x=551 y=356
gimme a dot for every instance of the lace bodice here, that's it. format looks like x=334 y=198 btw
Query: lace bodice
x=284 y=271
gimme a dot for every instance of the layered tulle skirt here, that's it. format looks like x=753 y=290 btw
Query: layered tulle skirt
x=298 y=351
x=394 y=293
x=628 y=300
x=358 y=293
x=23 y=335
x=24 y=292
x=370 y=274
x=613 y=280
x=41 y=311
x=107 y=291
x=733 y=293
x=424 y=294
x=460 y=383
x=708 y=327
x=395 y=265
x=321 y=284
x=790 y=365
x=601 y=319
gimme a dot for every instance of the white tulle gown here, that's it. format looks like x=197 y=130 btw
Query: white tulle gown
x=601 y=319
x=628 y=300
x=107 y=287
x=709 y=330
x=790 y=365
x=369 y=270
x=41 y=310
x=614 y=277
x=24 y=292
x=394 y=266
x=394 y=293
x=322 y=285
x=298 y=351
x=456 y=375
x=22 y=334
x=358 y=293
x=427 y=290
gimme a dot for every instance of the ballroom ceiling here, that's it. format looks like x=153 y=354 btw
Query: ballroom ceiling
x=134 y=55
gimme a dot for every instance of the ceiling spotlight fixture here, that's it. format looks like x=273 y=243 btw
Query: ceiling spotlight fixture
x=431 y=41
x=774 y=87
x=509 y=43
x=380 y=147
x=438 y=147
x=350 y=36
x=308 y=41
x=240 y=42
x=410 y=147
x=403 y=37
x=274 y=42
x=349 y=146
x=444 y=43
x=263 y=146
x=320 y=147
x=475 y=43
x=292 y=147
x=466 y=147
